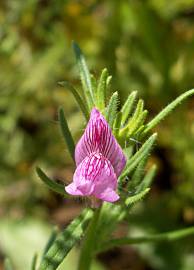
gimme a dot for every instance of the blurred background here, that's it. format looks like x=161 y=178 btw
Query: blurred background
x=147 y=46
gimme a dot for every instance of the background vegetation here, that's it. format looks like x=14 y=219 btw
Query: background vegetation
x=147 y=46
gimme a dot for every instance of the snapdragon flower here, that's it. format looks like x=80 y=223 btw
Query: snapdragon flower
x=99 y=160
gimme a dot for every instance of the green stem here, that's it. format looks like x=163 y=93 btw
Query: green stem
x=87 y=250
x=167 y=236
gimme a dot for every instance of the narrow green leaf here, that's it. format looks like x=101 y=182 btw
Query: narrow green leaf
x=138 y=110
x=7 y=264
x=167 y=110
x=54 y=186
x=162 y=237
x=51 y=240
x=128 y=107
x=34 y=262
x=66 y=133
x=85 y=75
x=133 y=127
x=112 y=109
x=138 y=174
x=139 y=155
x=94 y=85
x=77 y=97
x=108 y=82
x=101 y=90
x=128 y=151
x=139 y=131
x=135 y=198
x=133 y=121
x=147 y=180
x=65 y=241
x=117 y=124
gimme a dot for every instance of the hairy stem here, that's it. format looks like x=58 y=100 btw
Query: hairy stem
x=87 y=250
x=167 y=236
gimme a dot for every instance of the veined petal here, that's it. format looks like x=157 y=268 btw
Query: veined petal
x=98 y=138
x=95 y=176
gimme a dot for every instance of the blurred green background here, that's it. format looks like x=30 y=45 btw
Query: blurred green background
x=147 y=46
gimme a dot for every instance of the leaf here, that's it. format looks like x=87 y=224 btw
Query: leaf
x=117 y=124
x=147 y=180
x=52 y=238
x=108 y=82
x=112 y=109
x=85 y=75
x=162 y=237
x=139 y=155
x=7 y=264
x=77 y=97
x=138 y=110
x=134 y=199
x=56 y=187
x=133 y=122
x=167 y=111
x=65 y=241
x=66 y=133
x=34 y=262
x=94 y=85
x=137 y=123
x=128 y=107
x=138 y=174
x=101 y=90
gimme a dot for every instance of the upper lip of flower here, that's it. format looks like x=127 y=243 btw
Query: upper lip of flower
x=99 y=159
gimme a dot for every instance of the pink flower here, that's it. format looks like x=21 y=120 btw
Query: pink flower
x=99 y=159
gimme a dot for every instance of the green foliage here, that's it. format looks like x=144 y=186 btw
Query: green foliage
x=146 y=45
x=101 y=90
x=128 y=107
x=138 y=174
x=148 y=178
x=53 y=185
x=85 y=76
x=108 y=222
x=34 y=262
x=117 y=124
x=139 y=155
x=136 y=198
x=90 y=242
x=66 y=133
x=51 y=240
x=167 y=110
x=65 y=241
x=169 y=236
x=111 y=112
x=124 y=124
x=77 y=97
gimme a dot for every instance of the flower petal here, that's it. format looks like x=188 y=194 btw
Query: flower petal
x=98 y=137
x=94 y=176
x=108 y=195
x=72 y=189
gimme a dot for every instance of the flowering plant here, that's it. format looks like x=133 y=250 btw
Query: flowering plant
x=110 y=170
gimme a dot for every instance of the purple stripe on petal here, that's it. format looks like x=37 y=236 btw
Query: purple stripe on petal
x=95 y=176
x=98 y=138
